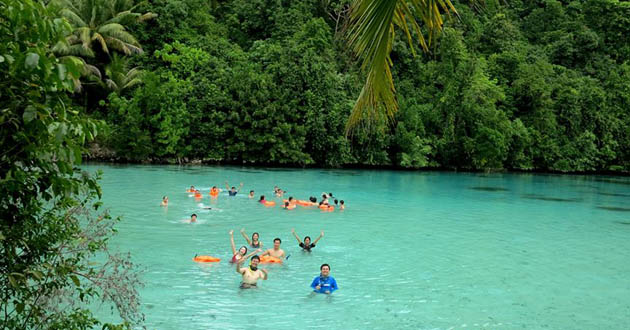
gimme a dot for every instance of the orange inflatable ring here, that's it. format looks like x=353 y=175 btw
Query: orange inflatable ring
x=269 y=203
x=270 y=260
x=206 y=259
x=306 y=203
x=327 y=208
x=290 y=207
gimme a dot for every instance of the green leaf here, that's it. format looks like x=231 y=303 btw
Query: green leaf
x=1 y=58
x=62 y=71
x=13 y=282
x=29 y=114
x=32 y=60
x=75 y=279
x=19 y=307
x=37 y=274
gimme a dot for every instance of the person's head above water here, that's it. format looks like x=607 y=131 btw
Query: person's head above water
x=262 y=197
x=286 y=204
x=312 y=199
x=214 y=187
x=254 y=261
x=307 y=240
x=341 y=202
x=233 y=188
x=255 y=237
x=251 y=192
x=290 y=198
x=164 y=198
x=324 y=196
x=276 y=243
x=192 y=187
x=193 y=217
x=243 y=250
x=336 y=201
x=325 y=269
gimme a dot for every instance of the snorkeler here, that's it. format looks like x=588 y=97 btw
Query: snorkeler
x=276 y=252
x=307 y=245
x=251 y=194
x=251 y=274
x=164 y=201
x=254 y=242
x=324 y=283
x=240 y=254
x=233 y=191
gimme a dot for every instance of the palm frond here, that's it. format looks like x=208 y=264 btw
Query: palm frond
x=101 y=40
x=72 y=17
x=370 y=36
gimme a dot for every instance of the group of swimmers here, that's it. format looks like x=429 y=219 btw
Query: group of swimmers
x=324 y=283
x=327 y=203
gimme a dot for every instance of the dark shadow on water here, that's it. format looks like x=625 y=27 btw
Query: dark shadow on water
x=489 y=188
x=613 y=194
x=550 y=199
x=622 y=222
x=617 y=181
x=614 y=208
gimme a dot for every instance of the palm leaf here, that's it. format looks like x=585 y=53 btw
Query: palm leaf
x=370 y=36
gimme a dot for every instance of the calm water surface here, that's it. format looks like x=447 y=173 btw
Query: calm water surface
x=412 y=250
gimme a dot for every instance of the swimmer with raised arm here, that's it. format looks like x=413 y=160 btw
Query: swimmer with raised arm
x=307 y=245
x=240 y=254
x=251 y=274
x=254 y=242
x=233 y=191
x=276 y=252
x=324 y=283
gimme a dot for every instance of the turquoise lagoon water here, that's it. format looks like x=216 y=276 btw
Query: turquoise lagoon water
x=414 y=250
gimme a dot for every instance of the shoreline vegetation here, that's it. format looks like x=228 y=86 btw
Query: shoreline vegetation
x=525 y=86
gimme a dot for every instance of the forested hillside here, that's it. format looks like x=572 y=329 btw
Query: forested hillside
x=524 y=85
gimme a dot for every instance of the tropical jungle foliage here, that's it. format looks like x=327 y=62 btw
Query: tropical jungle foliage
x=526 y=85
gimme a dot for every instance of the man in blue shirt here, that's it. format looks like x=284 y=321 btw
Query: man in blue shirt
x=232 y=192
x=324 y=283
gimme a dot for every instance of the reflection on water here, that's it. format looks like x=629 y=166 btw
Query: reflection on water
x=550 y=199
x=614 y=208
x=489 y=188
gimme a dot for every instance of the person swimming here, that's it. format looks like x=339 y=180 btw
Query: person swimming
x=191 y=190
x=251 y=194
x=307 y=245
x=241 y=253
x=164 y=201
x=232 y=192
x=276 y=251
x=288 y=206
x=324 y=283
x=251 y=274
x=342 y=206
x=254 y=242
x=193 y=218
x=262 y=199
x=312 y=199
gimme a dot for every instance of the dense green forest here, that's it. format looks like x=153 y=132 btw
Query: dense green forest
x=524 y=85
x=517 y=85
